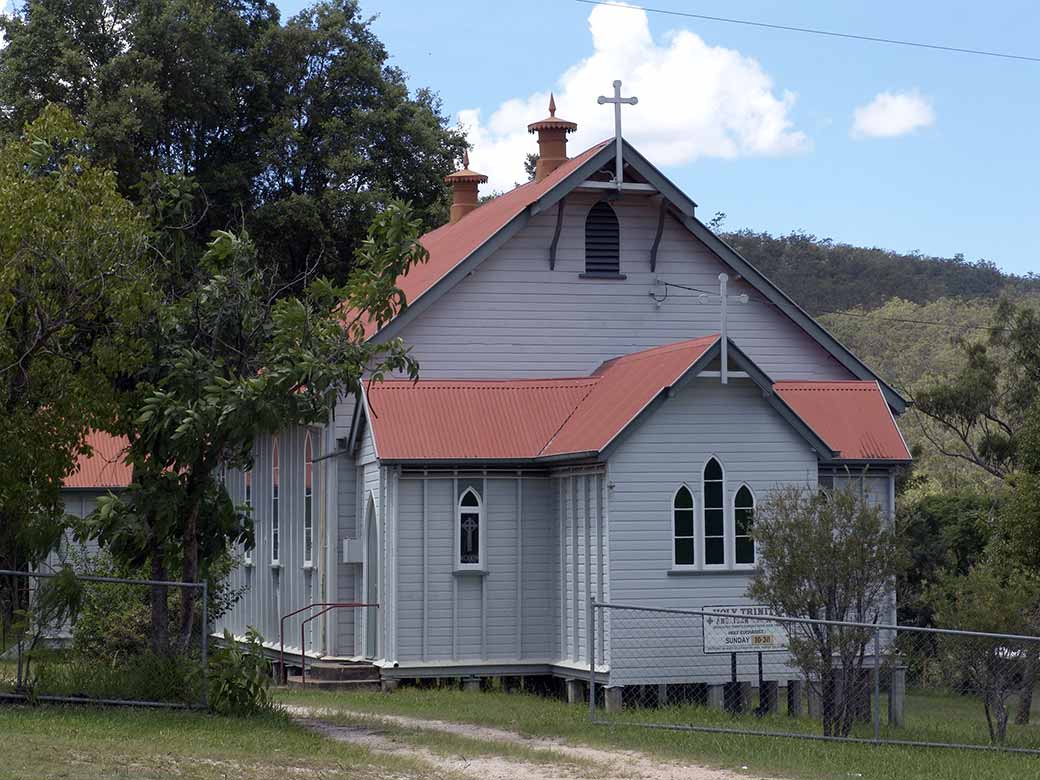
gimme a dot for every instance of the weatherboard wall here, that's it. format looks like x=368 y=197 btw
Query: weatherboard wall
x=756 y=447
x=269 y=591
x=514 y=317
x=504 y=613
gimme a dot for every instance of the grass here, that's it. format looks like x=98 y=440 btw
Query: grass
x=929 y=717
x=87 y=743
x=752 y=755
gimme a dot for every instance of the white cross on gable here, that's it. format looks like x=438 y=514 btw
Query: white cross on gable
x=617 y=100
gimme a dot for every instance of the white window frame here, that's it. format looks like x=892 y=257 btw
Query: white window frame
x=308 y=501
x=702 y=526
x=671 y=517
x=478 y=510
x=733 y=528
x=247 y=499
x=276 y=520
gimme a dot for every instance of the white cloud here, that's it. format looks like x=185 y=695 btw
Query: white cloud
x=695 y=100
x=891 y=114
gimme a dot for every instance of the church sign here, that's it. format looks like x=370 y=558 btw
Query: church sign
x=742 y=629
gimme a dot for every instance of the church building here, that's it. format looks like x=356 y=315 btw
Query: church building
x=606 y=391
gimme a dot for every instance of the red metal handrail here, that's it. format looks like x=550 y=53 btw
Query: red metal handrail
x=326 y=607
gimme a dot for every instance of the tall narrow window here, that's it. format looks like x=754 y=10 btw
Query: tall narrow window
x=682 y=527
x=602 y=241
x=308 y=501
x=247 y=499
x=469 y=529
x=275 y=484
x=743 y=520
x=714 y=515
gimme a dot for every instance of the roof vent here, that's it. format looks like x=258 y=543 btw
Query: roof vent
x=602 y=241
x=552 y=141
x=464 y=186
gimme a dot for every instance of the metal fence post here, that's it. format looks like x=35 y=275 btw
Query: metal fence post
x=205 y=643
x=591 y=617
x=877 y=684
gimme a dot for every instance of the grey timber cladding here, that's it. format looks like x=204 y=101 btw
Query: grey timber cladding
x=504 y=613
x=583 y=559
x=269 y=591
x=515 y=317
x=756 y=447
x=78 y=503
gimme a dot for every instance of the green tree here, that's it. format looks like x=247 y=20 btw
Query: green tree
x=75 y=260
x=943 y=534
x=987 y=413
x=230 y=358
x=531 y=165
x=828 y=556
x=302 y=130
x=992 y=598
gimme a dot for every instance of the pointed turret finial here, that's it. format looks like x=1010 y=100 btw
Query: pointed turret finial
x=464 y=185
x=552 y=140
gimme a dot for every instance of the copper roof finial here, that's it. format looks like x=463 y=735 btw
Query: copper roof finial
x=465 y=159
x=552 y=105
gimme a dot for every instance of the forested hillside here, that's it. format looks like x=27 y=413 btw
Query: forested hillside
x=823 y=276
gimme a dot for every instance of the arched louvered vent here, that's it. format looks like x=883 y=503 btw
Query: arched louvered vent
x=602 y=241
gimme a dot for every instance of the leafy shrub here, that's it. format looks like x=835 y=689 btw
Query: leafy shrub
x=240 y=678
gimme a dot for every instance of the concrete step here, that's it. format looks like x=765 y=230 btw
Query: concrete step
x=356 y=686
x=331 y=670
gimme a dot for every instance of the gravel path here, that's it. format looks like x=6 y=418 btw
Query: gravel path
x=576 y=762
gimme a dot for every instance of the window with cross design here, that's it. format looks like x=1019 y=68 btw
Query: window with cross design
x=469 y=528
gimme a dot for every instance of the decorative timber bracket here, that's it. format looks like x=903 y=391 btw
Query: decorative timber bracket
x=657 y=237
x=556 y=233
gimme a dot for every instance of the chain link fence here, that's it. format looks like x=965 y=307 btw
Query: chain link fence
x=67 y=636
x=740 y=669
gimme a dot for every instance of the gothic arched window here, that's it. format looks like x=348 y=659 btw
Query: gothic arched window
x=247 y=499
x=683 y=528
x=743 y=520
x=275 y=486
x=470 y=529
x=308 y=501
x=714 y=515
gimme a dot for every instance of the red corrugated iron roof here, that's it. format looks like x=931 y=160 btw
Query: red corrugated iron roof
x=625 y=386
x=453 y=420
x=105 y=467
x=450 y=244
x=851 y=416
x=522 y=419
x=545 y=418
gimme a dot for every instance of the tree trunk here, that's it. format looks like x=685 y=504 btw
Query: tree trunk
x=159 y=596
x=829 y=701
x=189 y=573
x=1025 y=698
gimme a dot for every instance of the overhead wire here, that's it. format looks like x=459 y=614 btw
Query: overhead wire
x=816 y=31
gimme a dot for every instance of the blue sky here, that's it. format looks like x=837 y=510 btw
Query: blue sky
x=787 y=156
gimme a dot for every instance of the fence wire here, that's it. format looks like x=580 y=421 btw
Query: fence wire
x=743 y=670
x=67 y=636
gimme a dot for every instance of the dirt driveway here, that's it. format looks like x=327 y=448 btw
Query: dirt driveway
x=482 y=753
